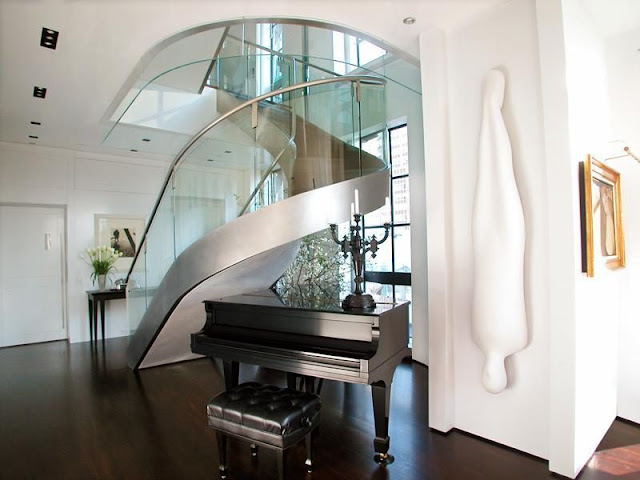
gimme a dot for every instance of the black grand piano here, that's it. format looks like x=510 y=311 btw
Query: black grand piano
x=310 y=342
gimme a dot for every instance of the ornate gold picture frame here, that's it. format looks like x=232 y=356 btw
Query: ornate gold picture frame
x=601 y=209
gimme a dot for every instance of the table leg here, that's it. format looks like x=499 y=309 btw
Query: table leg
x=101 y=319
x=90 y=319
x=95 y=318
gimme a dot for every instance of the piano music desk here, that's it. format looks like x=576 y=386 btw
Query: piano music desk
x=326 y=343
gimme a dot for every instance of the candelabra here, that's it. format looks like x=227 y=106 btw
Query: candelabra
x=358 y=246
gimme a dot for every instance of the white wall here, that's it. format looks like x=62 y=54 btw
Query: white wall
x=624 y=76
x=86 y=184
x=597 y=299
x=629 y=328
x=504 y=38
x=435 y=105
x=562 y=393
x=562 y=222
x=583 y=319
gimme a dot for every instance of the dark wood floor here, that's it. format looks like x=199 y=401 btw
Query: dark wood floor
x=77 y=412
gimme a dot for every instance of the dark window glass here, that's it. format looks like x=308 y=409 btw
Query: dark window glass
x=389 y=273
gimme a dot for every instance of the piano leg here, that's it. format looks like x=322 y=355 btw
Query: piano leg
x=292 y=381
x=381 y=393
x=231 y=373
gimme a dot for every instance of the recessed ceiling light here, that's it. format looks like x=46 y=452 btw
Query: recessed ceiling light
x=49 y=38
x=36 y=123
x=409 y=20
x=209 y=159
x=227 y=151
x=146 y=139
x=39 y=92
x=134 y=150
x=33 y=136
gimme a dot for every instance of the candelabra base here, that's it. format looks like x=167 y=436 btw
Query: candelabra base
x=358 y=301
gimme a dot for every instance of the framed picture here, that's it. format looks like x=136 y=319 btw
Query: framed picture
x=122 y=232
x=601 y=216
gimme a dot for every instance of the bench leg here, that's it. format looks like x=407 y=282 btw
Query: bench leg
x=309 y=442
x=281 y=463
x=222 y=453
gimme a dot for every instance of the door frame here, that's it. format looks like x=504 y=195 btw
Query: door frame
x=65 y=252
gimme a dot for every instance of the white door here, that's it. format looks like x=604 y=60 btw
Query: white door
x=32 y=258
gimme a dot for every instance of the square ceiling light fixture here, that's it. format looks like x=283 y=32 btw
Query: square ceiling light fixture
x=39 y=92
x=49 y=38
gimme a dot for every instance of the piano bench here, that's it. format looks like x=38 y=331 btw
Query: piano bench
x=266 y=415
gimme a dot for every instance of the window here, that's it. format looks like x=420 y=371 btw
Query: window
x=389 y=274
x=269 y=60
x=350 y=53
x=368 y=52
x=276 y=47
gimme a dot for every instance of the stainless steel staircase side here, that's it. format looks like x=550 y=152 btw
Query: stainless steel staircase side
x=248 y=236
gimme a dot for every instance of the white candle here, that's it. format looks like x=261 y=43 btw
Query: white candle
x=357 y=201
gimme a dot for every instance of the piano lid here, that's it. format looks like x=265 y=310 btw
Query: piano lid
x=271 y=298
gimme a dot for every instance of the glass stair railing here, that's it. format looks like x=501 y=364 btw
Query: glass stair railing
x=160 y=115
x=259 y=153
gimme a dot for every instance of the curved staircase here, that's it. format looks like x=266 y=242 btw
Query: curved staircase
x=216 y=235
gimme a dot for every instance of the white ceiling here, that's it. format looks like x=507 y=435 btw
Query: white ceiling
x=101 y=43
x=614 y=17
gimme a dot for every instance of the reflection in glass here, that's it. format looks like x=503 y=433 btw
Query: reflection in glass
x=382 y=292
x=390 y=293
x=316 y=277
x=374 y=144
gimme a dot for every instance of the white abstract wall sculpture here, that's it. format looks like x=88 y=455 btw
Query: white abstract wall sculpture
x=499 y=325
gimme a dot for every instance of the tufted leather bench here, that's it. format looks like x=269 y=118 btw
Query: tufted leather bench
x=264 y=415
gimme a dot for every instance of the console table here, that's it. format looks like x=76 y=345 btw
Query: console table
x=96 y=297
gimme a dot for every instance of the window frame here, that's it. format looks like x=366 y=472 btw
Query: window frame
x=392 y=277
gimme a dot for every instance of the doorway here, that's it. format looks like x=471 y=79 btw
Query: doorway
x=32 y=274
